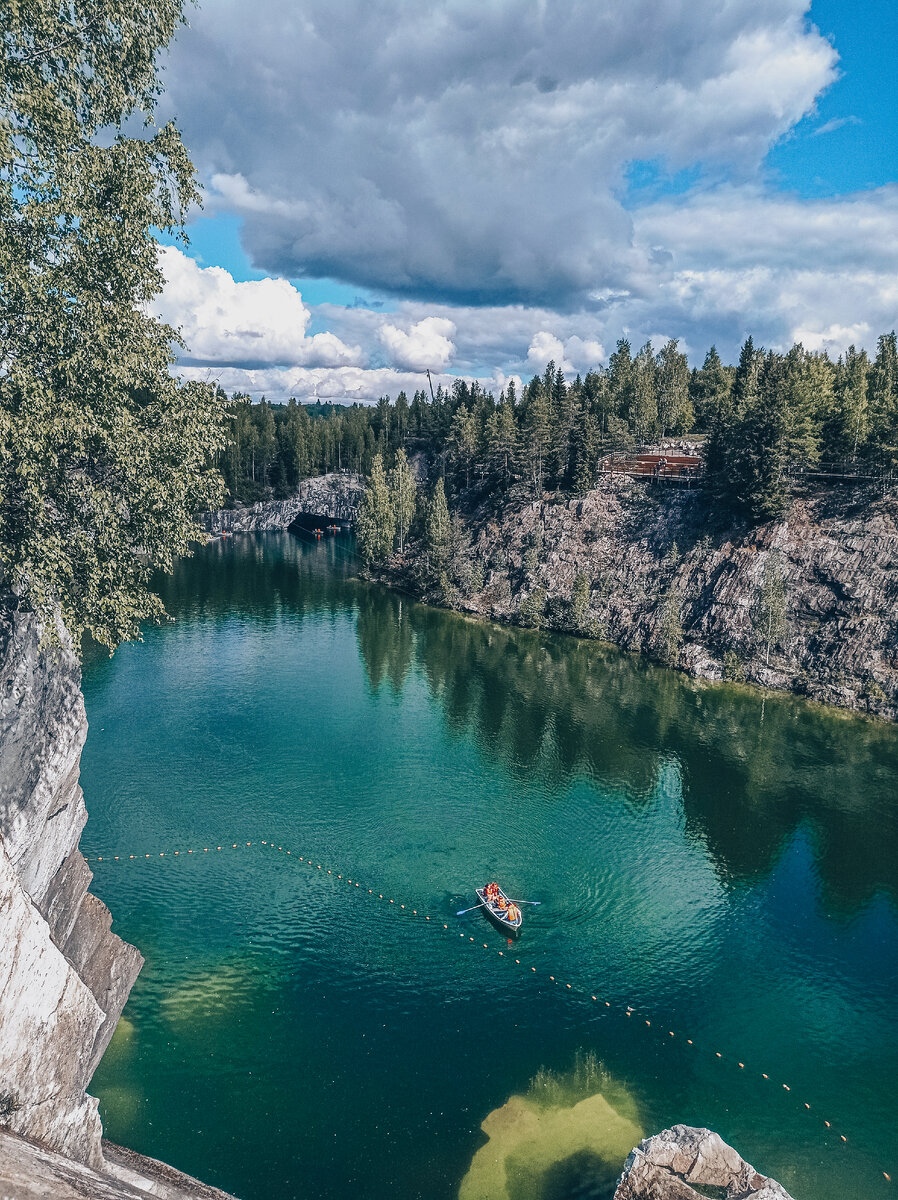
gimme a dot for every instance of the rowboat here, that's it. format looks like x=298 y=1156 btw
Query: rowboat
x=497 y=915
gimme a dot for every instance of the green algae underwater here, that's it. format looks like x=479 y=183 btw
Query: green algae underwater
x=723 y=862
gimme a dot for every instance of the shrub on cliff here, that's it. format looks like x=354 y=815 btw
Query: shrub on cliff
x=104 y=458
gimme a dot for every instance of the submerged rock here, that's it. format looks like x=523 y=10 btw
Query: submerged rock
x=568 y=1135
x=665 y=1166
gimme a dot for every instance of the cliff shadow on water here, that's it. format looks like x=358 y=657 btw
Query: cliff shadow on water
x=755 y=768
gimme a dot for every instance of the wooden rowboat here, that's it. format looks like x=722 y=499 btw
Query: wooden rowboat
x=497 y=915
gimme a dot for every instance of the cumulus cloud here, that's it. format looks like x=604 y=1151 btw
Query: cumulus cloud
x=574 y=354
x=341 y=385
x=428 y=344
x=735 y=261
x=442 y=152
x=256 y=322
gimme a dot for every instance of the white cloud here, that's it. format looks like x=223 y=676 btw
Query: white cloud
x=834 y=124
x=341 y=385
x=428 y=344
x=259 y=321
x=474 y=153
x=546 y=347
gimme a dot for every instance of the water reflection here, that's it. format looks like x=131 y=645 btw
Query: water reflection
x=754 y=771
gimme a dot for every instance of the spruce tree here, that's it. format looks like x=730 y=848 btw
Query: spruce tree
x=536 y=434
x=771 y=609
x=403 y=496
x=376 y=524
x=709 y=387
x=675 y=413
x=437 y=529
x=883 y=398
x=846 y=433
x=644 y=396
x=760 y=458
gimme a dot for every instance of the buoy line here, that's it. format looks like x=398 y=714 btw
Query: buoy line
x=609 y=1007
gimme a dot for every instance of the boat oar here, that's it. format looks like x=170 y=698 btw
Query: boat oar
x=471 y=909
x=525 y=902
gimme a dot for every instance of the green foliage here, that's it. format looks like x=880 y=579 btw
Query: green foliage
x=709 y=387
x=403 y=497
x=104 y=458
x=437 y=528
x=670 y=627
x=770 y=605
x=675 y=412
x=883 y=396
x=533 y=607
x=733 y=667
x=376 y=526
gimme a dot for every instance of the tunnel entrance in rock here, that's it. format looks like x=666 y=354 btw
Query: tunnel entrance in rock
x=312 y=522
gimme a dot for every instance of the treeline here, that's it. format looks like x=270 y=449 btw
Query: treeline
x=769 y=412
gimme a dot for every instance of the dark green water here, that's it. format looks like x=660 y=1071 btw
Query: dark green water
x=728 y=865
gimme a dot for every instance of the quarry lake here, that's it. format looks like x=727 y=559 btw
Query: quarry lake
x=724 y=865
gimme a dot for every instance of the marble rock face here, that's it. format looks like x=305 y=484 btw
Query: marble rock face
x=665 y=1167
x=64 y=976
x=335 y=497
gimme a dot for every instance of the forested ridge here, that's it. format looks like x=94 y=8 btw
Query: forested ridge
x=757 y=419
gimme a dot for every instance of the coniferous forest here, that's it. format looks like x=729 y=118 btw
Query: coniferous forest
x=757 y=421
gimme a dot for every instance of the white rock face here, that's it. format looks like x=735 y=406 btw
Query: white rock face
x=64 y=976
x=665 y=1166
x=49 y=1021
x=336 y=497
x=28 y=1172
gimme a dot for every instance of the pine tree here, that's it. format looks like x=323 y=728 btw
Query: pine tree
x=644 y=396
x=675 y=413
x=709 y=387
x=883 y=397
x=771 y=608
x=847 y=431
x=807 y=384
x=462 y=443
x=585 y=452
x=760 y=459
x=536 y=434
x=437 y=529
x=403 y=496
x=670 y=626
x=376 y=525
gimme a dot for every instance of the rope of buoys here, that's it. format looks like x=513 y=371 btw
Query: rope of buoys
x=627 y=1010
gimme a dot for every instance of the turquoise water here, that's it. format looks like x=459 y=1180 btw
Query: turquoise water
x=724 y=864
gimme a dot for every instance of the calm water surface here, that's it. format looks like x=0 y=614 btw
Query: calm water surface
x=726 y=865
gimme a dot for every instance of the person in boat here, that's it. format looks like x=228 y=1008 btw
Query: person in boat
x=502 y=904
x=513 y=913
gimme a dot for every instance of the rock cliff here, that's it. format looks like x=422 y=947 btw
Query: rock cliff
x=666 y=1166
x=336 y=496
x=661 y=576
x=64 y=976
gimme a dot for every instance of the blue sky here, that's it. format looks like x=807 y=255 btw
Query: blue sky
x=486 y=186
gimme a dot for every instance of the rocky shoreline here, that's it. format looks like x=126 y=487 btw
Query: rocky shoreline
x=658 y=575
